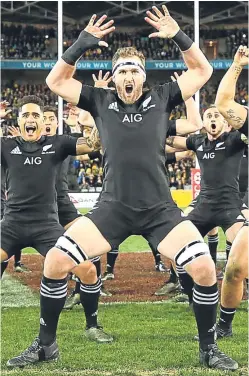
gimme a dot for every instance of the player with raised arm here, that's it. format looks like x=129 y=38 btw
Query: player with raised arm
x=237 y=265
x=135 y=197
x=68 y=214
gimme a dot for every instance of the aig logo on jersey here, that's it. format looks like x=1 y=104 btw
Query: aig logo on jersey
x=208 y=156
x=33 y=161
x=131 y=118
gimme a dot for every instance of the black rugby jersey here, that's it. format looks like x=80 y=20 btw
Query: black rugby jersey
x=219 y=162
x=31 y=169
x=133 y=142
x=62 y=174
x=243 y=174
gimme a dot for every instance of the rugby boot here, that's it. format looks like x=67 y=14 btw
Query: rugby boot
x=160 y=267
x=223 y=332
x=105 y=293
x=21 y=268
x=168 y=288
x=98 y=335
x=107 y=276
x=34 y=354
x=72 y=300
x=216 y=359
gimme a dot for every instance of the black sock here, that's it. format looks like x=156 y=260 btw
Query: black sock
x=228 y=248
x=173 y=276
x=89 y=297
x=226 y=317
x=212 y=244
x=96 y=262
x=186 y=282
x=77 y=287
x=156 y=254
x=4 y=265
x=205 y=301
x=53 y=295
x=18 y=257
x=111 y=260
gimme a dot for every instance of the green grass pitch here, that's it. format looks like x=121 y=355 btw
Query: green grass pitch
x=151 y=339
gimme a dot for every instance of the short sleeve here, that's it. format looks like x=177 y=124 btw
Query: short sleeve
x=244 y=128
x=90 y=97
x=170 y=158
x=237 y=139
x=171 y=128
x=94 y=155
x=171 y=94
x=67 y=146
x=191 y=142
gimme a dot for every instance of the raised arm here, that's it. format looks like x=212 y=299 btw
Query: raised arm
x=193 y=123
x=234 y=113
x=199 y=70
x=60 y=80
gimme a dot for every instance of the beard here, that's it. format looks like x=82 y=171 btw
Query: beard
x=136 y=94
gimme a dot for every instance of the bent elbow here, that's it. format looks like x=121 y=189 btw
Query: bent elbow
x=207 y=71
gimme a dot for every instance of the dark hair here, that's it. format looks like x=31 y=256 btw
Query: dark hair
x=31 y=99
x=51 y=109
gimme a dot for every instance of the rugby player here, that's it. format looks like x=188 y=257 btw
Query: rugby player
x=135 y=197
x=91 y=284
x=219 y=154
x=18 y=265
x=237 y=266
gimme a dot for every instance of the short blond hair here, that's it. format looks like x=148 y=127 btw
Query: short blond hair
x=128 y=52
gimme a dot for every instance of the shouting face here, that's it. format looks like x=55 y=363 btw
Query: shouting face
x=30 y=121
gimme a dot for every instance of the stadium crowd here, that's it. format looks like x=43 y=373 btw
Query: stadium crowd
x=31 y=42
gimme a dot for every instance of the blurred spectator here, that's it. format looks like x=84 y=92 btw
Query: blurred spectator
x=26 y=42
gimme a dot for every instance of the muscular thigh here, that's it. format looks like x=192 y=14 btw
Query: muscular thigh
x=238 y=257
x=180 y=236
x=44 y=236
x=12 y=237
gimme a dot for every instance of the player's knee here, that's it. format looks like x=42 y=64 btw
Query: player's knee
x=57 y=264
x=86 y=272
x=235 y=273
x=196 y=260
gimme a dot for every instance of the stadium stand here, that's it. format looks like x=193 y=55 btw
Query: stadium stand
x=32 y=42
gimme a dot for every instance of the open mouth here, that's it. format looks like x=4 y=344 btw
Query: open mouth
x=128 y=88
x=48 y=129
x=213 y=126
x=30 y=129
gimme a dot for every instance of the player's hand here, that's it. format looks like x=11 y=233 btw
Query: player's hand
x=3 y=109
x=242 y=56
x=73 y=114
x=14 y=131
x=98 y=29
x=102 y=81
x=167 y=27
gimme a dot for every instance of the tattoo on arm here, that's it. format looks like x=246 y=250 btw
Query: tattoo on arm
x=82 y=141
x=170 y=141
x=231 y=115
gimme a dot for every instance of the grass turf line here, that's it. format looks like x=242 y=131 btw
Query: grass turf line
x=150 y=340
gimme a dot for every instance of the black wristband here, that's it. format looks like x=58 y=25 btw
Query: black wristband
x=84 y=42
x=182 y=41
